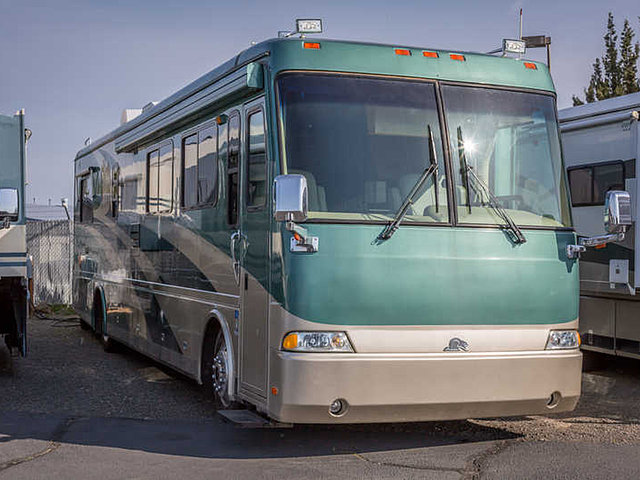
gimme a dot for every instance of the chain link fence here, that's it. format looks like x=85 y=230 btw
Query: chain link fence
x=50 y=243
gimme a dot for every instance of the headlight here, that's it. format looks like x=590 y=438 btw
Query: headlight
x=316 y=342
x=563 y=339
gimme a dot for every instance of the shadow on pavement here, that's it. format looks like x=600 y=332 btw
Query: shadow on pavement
x=216 y=439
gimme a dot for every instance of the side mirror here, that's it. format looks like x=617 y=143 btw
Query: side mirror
x=9 y=203
x=291 y=198
x=617 y=211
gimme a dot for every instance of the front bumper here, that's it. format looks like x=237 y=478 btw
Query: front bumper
x=421 y=387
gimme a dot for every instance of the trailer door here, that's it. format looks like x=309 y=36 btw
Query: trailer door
x=254 y=226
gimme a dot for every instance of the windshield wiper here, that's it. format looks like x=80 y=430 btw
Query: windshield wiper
x=467 y=172
x=391 y=228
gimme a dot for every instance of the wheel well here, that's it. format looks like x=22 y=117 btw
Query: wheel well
x=97 y=310
x=211 y=331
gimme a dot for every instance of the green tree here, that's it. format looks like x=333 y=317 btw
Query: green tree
x=629 y=53
x=616 y=73
x=610 y=61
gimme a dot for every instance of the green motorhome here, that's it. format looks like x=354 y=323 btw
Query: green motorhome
x=338 y=232
x=13 y=243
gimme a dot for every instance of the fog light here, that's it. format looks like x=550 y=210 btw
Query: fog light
x=563 y=339
x=338 y=407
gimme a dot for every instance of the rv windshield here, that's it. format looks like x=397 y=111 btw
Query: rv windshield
x=510 y=142
x=362 y=143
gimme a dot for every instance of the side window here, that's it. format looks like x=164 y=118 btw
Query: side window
x=232 y=168
x=152 y=181
x=589 y=184
x=257 y=162
x=207 y=166
x=129 y=194
x=165 y=178
x=85 y=198
x=581 y=186
x=606 y=178
x=190 y=171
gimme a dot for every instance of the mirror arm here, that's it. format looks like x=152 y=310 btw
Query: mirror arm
x=574 y=251
x=301 y=241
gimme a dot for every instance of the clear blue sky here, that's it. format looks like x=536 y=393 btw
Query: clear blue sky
x=75 y=65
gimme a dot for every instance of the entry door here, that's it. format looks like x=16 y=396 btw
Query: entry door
x=254 y=227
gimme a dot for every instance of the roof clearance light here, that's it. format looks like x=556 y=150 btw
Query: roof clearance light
x=308 y=25
x=430 y=54
x=530 y=65
x=456 y=56
x=312 y=45
x=513 y=46
x=402 y=51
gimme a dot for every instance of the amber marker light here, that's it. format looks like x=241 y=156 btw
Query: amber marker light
x=530 y=66
x=402 y=51
x=457 y=56
x=274 y=391
x=290 y=341
x=430 y=54
x=311 y=45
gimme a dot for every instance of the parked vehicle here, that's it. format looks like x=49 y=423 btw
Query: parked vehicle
x=601 y=144
x=331 y=231
x=13 y=244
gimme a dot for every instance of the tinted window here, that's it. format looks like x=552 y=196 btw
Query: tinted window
x=606 y=178
x=589 y=184
x=581 y=184
x=190 y=171
x=257 y=166
x=165 y=180
x=207 y=166
x=152 y=181
x=232 y=169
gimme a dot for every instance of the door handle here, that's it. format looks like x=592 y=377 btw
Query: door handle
x=235 y=262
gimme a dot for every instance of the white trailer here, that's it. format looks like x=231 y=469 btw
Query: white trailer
x=601 y=146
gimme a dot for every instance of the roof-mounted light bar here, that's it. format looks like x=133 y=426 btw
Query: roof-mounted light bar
x=308 y=25
x=304 y=26
x=513 y=46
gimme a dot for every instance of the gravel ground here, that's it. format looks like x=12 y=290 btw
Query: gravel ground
x=68 y=373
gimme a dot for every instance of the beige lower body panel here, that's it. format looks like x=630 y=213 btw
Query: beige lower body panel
x=410 y=387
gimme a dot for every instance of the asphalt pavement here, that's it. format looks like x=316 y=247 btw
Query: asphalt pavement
x=70 y=410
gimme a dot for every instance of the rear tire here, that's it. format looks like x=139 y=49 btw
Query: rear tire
x=108 y=344
x=215 y=369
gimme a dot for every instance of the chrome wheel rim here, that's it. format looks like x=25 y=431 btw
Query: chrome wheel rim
x=219 y=374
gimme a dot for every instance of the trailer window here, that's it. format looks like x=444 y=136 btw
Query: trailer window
x=160 y=179
x=581 y=185
x=232 y=169
x=589 y=184
x=257 y=165
x=207 y=166
x=190 y=171
x=152 y=181
x=165 y=178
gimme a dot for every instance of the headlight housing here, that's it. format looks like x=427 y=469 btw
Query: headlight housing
x=316 y=342
x=563 y=340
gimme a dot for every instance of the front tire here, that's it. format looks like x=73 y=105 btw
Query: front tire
x=216 y=371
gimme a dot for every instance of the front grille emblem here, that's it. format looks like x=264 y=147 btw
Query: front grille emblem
x=457 y=345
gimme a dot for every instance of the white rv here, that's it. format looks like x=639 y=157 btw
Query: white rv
x=601 y=145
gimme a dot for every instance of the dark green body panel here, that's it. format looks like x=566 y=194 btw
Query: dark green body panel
x=380 y=59
x=432 y=276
